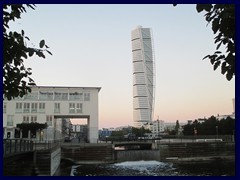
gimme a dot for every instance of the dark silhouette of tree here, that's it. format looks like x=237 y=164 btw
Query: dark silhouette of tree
x=139 y=132
x=211 y=126
x=33 y=127
x=222 y=19
x=177 y=126
x=16 y=77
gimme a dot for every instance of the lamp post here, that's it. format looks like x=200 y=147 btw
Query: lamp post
x=217 y=131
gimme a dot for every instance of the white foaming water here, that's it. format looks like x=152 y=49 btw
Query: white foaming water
x=73 y=170
x=150 y=168
x=140 y=163
x=144 y=167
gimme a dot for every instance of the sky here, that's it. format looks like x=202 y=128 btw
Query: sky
x=91 y=47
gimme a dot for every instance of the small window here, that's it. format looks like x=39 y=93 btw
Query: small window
x=71 y=107
x=33 y=119
x=18 y=107
x=41 y=107
x=86 y=96
x=34 y=107
x=25 y=119
x=10 y=120
x=26 y=108
x=57 y=108
x=79 y=107
x=4 y=107
x=49 y=120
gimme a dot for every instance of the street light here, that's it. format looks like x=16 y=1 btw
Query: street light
x=217 y=131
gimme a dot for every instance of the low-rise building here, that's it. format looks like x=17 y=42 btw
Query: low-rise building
x=51 y=105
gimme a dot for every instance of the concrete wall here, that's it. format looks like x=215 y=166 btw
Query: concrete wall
x=55 y=160
x=193 y=150
x=137 y=155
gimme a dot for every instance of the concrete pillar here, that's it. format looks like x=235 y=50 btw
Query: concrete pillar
x=20 y=133
x=29 y=134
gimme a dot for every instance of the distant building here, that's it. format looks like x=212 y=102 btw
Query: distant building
x=79 y=130
x=52 y=105
x=157 y=126
x=219 y=117
x=66 y=127
x=105 y=132
x=143 y=76
x=171 y=125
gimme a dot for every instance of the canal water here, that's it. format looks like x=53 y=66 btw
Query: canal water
x=151 y=168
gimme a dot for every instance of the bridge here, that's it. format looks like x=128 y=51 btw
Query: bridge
x=22 y=156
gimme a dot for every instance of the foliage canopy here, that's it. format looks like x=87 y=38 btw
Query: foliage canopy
x=16 y=77
x=222 y=19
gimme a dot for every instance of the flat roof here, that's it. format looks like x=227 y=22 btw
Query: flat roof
x=67 y=87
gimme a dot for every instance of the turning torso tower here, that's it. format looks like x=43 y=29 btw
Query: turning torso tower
x=143 y=76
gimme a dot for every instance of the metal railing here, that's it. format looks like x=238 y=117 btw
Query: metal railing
x=14 y=146
x=17 y=146
x=195 y=139
x=46 y=145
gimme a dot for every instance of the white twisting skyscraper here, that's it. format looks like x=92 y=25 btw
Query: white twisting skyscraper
x=143 y=76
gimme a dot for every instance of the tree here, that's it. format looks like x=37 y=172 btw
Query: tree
x=33 y=127
x=211 y=126
x=139 y=132
x=222 y=19
x=16 y=77
x=177 y=126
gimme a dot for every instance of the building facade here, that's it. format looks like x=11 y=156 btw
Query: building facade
x=157 y=127
x=143 y=76
x=51 y=105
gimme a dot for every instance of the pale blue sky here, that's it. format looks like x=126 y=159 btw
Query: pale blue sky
x=91 y=46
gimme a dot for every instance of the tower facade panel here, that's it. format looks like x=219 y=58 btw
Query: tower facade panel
x=143 y=76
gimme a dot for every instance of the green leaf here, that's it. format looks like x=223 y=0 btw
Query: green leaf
x=216 y=65
x=201 y=7
x=218 y=46
x=27 y=38
x=42 y=43
x=30 y=53
x=206 y=57
x=49 y=52
x=224 y=68
x=229 y=75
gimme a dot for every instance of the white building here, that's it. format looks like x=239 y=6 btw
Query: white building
x=50 y=105
x=157 y=127
x=143 y=76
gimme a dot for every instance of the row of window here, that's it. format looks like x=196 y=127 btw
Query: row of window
x=29 y=119
x=50 y=95
x=40 y=107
